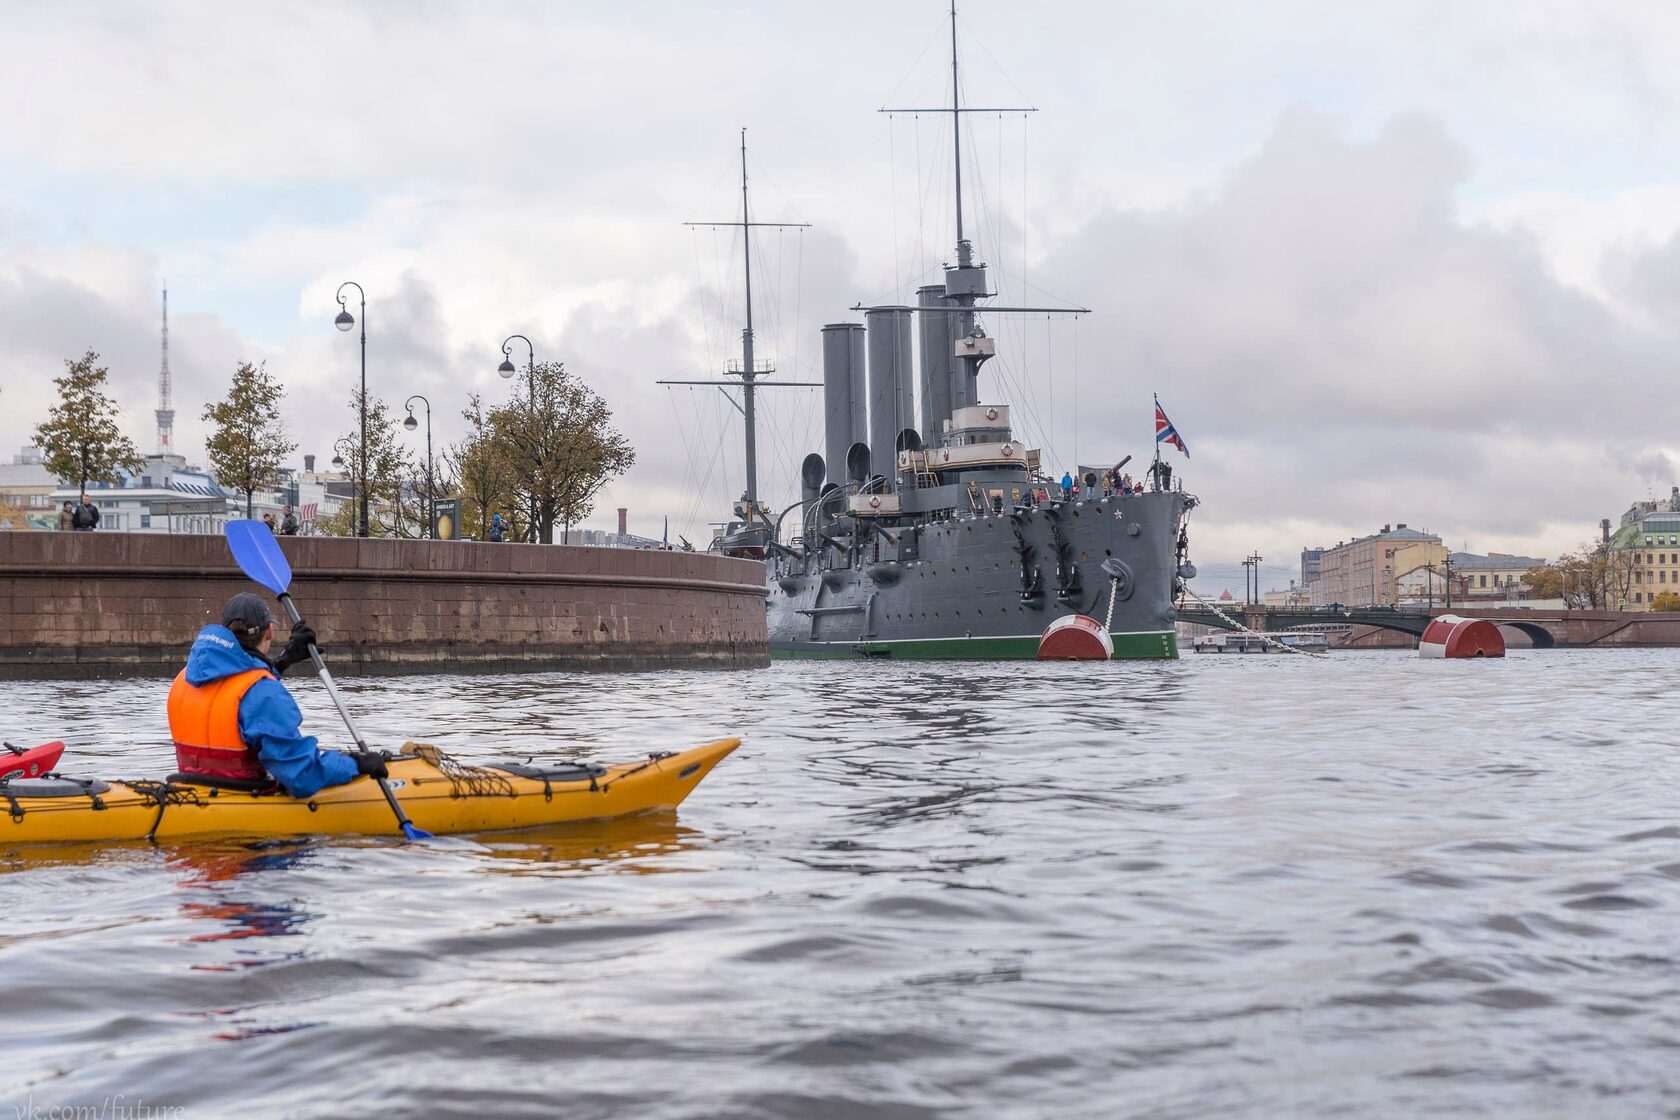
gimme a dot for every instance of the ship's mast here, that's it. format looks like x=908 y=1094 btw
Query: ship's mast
x=956 y=135
x=965 y=293
x=965 y=281
x=750 y=371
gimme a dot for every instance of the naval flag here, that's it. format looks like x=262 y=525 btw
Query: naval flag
x=1165 y=432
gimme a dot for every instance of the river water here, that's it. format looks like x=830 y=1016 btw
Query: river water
x=1365 y=885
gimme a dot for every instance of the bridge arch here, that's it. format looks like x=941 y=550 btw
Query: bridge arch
x=1538 y=635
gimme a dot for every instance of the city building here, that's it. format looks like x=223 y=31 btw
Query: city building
x=26 y=489
x=1294 y=598
x=1646 y=551
x=624 y=538
x=1312 y=562
x=1492 y=579
x=1496 y=576
x=164 y=496
x=1362 y=572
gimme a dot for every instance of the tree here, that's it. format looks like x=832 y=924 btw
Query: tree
x=389 y=467
x=1666 y=601
x=1544 y=581
x=247 y=441
x=14 y=517
x=80 y=438
x=479 y=468
x=1595 y=578
x=561 y=446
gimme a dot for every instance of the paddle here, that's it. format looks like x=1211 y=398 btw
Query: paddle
x=258 y=555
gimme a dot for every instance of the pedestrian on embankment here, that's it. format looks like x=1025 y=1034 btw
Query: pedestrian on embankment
x=86 y=517
x=67 y=516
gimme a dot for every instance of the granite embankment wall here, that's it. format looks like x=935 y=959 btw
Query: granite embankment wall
x=128 y=604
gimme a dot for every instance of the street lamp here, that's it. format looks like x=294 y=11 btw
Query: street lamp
x=344 y=322
x=506 y=369
x=411 y=423
x=339 y=448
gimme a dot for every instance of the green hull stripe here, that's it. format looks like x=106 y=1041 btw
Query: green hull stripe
x=1155 y=645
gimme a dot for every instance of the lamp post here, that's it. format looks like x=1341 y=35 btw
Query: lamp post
x=411 y=423
x=506 y=369
x=344 y=322
x=339 y=448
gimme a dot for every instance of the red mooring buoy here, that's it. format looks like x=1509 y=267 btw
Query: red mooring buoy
x=1076 y=637
x=1452 y=635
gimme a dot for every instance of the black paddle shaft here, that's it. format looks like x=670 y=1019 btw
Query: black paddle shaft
x=349 y=721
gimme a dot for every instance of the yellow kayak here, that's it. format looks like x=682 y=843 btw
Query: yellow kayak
x=439 y=794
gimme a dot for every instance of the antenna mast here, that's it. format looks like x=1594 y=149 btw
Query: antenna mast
x=749 y=370
x=165 y=409
x=956 y=134
x=965 y=282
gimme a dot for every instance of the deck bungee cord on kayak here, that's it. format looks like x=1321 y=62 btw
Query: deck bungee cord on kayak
x=246 y=768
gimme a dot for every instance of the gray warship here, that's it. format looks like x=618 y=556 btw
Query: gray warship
x=944 y=538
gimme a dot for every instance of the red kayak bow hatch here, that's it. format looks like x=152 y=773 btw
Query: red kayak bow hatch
x=31 y=763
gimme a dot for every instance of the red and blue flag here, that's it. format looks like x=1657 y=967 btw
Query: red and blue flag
x=1165 y=432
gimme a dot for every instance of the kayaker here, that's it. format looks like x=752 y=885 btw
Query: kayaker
x=231 y=717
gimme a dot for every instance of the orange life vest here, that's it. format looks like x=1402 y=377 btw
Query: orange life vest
x=204 y=722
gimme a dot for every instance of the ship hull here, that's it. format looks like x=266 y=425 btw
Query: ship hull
x=1139 y=646
x=986 y=587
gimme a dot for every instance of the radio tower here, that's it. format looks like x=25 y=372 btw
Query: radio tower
x=165 y=413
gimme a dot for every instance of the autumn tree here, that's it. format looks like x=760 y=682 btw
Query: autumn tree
x=247 y=441
x=80 y=438
x=1595 y=578
x=1544 y=581
x=1668 y=601
x=561 y=446
x=478 y=468
x=390 y=470
x=14 y=516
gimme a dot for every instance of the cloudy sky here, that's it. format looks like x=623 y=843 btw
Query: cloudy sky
x=1382 y=262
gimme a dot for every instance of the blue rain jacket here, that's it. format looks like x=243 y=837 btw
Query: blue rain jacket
x=269 y=719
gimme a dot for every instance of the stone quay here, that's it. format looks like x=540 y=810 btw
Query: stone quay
x=106 y=605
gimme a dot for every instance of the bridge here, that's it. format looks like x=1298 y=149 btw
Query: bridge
x=1545 y=629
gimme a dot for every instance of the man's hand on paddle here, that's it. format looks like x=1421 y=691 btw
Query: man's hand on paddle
x=297 y=647
x=372 y=763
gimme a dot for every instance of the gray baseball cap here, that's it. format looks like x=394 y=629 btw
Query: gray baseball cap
x=247 y=616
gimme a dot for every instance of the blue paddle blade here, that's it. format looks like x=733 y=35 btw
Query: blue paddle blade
x=414 y=832
x=258 y=555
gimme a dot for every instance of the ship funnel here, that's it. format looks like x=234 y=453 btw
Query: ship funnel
x=908 y=440
x=892 y=405
x=845 y=397
x=832 y=500
x=811 y=478
x=938 y=363
x=857 y=463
